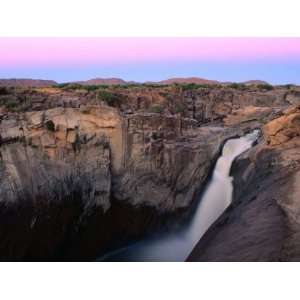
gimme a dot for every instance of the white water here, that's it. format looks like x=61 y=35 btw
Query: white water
x=176 y=246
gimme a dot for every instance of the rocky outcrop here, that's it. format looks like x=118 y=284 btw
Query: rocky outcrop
x=83 y=170
x=262 y=224
x=142 y=151
x=44 y=147
x=285 y=128
x=204 y=104
x=89 y=162
x=207 y=105
x=166 y=172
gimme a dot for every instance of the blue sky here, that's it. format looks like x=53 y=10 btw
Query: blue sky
x=273 y=72
x=276 y=60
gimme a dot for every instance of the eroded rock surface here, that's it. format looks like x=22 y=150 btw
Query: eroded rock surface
x=81 y=169
x=262 y=224
x=79 y=160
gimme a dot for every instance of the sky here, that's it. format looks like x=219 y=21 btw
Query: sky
x=276 y=60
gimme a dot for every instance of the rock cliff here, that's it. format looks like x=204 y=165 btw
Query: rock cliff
x=85 y=169
x=83 y=161
x=262 y=224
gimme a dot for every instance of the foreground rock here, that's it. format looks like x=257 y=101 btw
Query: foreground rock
x=262 y=224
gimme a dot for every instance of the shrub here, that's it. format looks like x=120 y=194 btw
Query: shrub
x=50 y=125
x=154 y=85
x=289 y=86
x=193 y=86
x=178 y=108
x=110 y=98
x=3 y=91
x=267 y=87
x=72 y=86
x=189 y=86
x=102 y=86
x=12 y=103
x=238 y=86
x=156 y=109
x=61 y=85
x=130 y=85
x=90 y=88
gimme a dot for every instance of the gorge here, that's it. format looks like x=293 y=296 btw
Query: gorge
x=86 y=170
x=217 y=196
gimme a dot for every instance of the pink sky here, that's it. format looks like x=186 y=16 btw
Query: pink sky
x=22 y=52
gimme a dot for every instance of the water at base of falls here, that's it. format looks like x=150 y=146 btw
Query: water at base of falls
x=176 y=246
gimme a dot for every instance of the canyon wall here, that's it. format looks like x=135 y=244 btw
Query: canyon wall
x=262 y=224
x=83 y=169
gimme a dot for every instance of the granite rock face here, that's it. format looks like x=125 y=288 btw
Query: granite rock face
x=45 y=146
x=208 y=105
x=166 y=172
x=80 y=168
x=81 y=161
x=262 y=224
x=154 y=160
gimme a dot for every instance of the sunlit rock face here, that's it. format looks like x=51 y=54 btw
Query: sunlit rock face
x=145 y=153
x=45 y=146
x=77 y=161
x=285 y=128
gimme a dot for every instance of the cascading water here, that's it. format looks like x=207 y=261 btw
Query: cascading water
x=176 y=246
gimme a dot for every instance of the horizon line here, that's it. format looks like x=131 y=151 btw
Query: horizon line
x=209 y=81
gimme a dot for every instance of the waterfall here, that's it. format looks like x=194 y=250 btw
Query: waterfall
x=176 y=246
